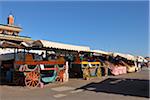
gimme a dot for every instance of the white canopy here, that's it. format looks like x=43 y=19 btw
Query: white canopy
x=127 y=56
x=6 y=54
x=141 y=59
x=6 y=51
x=49 y=44
x=27 y=43
x=100 y=52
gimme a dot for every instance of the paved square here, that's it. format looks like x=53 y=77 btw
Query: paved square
x=62 y=88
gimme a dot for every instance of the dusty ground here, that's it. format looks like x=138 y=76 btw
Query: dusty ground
x=131 y=86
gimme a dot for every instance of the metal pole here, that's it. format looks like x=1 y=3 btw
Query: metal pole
x=46 y=54
x=14 y=53
x=24 y=54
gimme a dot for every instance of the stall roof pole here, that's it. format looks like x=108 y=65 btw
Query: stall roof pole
x=24 y=54
x=14 y=53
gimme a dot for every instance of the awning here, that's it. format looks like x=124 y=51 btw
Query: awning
x=6 y=54
x=49 y=44
x=6 y=44
x=141 y=59
x=100 y=52
x=127 y=56
x=26 y=43
x=6 y=51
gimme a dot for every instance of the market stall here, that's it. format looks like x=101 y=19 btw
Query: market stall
x=35 y=69
x=129 y=61
x=85 y=69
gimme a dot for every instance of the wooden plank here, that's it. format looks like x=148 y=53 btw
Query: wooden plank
x=38 y=62
x=50 y=69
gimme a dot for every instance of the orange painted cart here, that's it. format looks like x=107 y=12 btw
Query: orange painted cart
x=35 y=73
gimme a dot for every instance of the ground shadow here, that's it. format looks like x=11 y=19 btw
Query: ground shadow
x=131 y=87
x=4 y=82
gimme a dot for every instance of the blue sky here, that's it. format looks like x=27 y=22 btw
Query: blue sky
x=118 y=26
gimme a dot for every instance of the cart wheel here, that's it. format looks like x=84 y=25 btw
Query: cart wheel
x=32 y=79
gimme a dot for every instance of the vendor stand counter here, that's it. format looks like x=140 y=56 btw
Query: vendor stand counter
x=85 y=69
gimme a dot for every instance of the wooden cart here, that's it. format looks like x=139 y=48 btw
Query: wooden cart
x=34 y=73
x=86 y=69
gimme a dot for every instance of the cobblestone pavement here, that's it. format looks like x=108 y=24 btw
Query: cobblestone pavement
x=131 y=86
